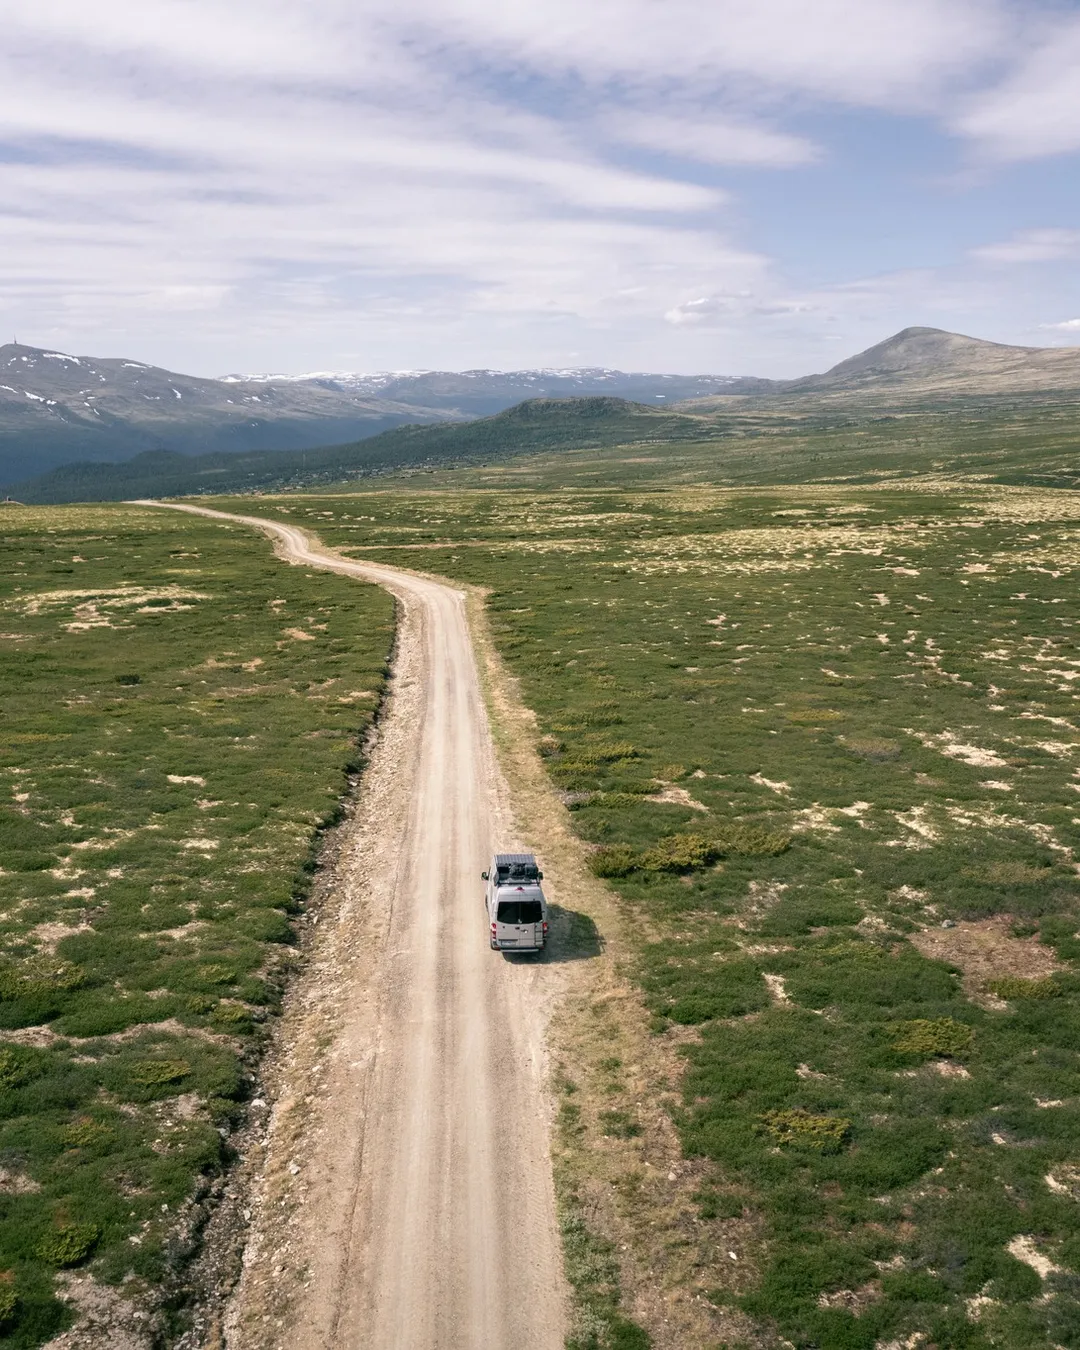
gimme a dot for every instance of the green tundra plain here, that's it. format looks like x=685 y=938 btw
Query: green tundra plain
x=180 y=717
x=820 y=739
x=823 y=739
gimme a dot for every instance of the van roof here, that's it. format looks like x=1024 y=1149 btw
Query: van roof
x=509 y=859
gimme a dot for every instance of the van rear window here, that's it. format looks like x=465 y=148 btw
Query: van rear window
x=519 y=911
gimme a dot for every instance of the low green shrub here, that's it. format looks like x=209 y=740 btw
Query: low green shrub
x=1063 y=1310
x=614 y=800
x=68 y=1243
x=592 y=1269
x=1010 y=872
x=37 y=975
x=86 y=1132
x=616 y=860
x=1013 y=986
x=687 y=852
x=154 y=1072
x=678 y=853
x=749 y=841
x=826 y=1134
x=167 y=836
x=11 y=1068
x=594 y=759
x=940 y=1036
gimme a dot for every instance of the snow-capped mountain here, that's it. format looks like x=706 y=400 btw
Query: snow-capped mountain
x=477 y=393
x=56 y=408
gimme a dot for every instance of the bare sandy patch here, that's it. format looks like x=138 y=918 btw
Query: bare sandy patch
x=1065 y=1180
x=816 y=817
x=984 y=950
x=39 y=1038
x=677 y=796
x=947 y=1068
x=47 y=935
x=15 y=1183
x=853 y=1301
x=105 y=1317
x=777 y=989
x=947 y=743
x=1023 y=1248
x=922 y=832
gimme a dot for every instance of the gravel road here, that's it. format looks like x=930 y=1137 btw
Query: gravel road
x=405 y=1198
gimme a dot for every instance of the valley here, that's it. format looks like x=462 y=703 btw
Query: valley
x=785 y=702
x=916 y=399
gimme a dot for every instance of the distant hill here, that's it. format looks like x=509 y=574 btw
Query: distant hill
x=532 y=426
x=929 y=363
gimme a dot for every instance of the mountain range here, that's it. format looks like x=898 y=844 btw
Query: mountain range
x=479 y=393
x=55 y=409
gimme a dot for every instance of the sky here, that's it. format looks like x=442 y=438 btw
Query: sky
x=756 y=187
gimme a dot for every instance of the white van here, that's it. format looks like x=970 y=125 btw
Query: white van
x=516 y=908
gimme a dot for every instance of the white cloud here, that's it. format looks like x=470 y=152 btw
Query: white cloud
x=1066 y=325
x=711 y=140
x=437 y=180
x=713 y=310
x=703 y=309
x=1035 y=109
x=1031 y=246
x=882 y=53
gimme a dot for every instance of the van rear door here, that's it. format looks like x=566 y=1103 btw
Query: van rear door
x=519 y=923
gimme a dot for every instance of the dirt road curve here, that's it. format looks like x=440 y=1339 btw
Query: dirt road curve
x=406 y=1203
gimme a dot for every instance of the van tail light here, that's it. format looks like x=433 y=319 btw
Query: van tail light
x=545 y=928
x=494 y=929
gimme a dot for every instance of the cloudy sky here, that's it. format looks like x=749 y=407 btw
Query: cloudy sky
x=727 y=186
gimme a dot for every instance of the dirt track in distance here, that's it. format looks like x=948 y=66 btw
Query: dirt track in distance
x=405 y=1200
